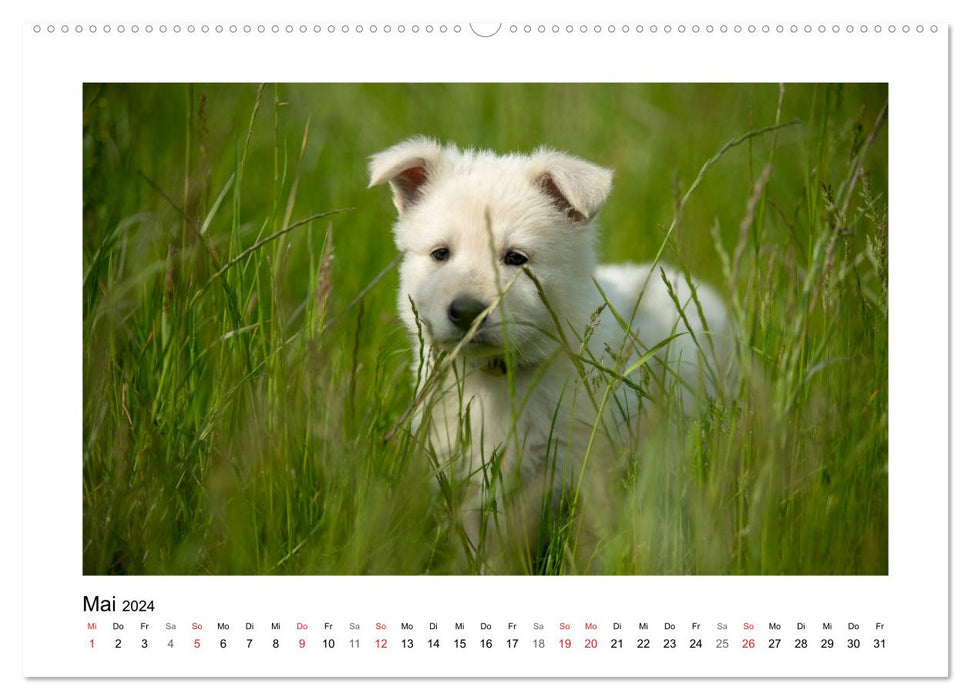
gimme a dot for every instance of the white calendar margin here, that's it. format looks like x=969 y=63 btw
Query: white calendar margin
x=912 y=600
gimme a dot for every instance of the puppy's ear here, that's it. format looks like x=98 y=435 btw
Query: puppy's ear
x=407 y=167
x=576 y=187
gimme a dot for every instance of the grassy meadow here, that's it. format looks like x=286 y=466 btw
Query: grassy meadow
x=244 y=366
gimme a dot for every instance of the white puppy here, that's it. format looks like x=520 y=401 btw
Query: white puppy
x=499 y=280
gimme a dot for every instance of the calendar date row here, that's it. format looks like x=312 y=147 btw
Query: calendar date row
x=461 y=643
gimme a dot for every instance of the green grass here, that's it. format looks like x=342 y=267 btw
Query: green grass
x=243 y=364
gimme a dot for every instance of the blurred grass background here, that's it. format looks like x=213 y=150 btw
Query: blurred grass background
x=238 y=383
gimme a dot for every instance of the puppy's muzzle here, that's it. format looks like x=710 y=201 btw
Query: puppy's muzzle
x=463 y=311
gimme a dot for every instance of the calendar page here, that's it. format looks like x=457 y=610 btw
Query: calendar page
x=442 y=348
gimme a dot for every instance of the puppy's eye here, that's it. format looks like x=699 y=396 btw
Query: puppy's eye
x=440 y=254
x=515 y=259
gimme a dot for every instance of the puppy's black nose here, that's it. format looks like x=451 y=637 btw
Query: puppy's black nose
x=464 y=310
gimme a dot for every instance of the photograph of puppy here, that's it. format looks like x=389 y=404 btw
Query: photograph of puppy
x=604 y=329
x=470 y=223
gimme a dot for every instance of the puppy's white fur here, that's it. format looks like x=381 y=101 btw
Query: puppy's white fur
x=479 y=206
